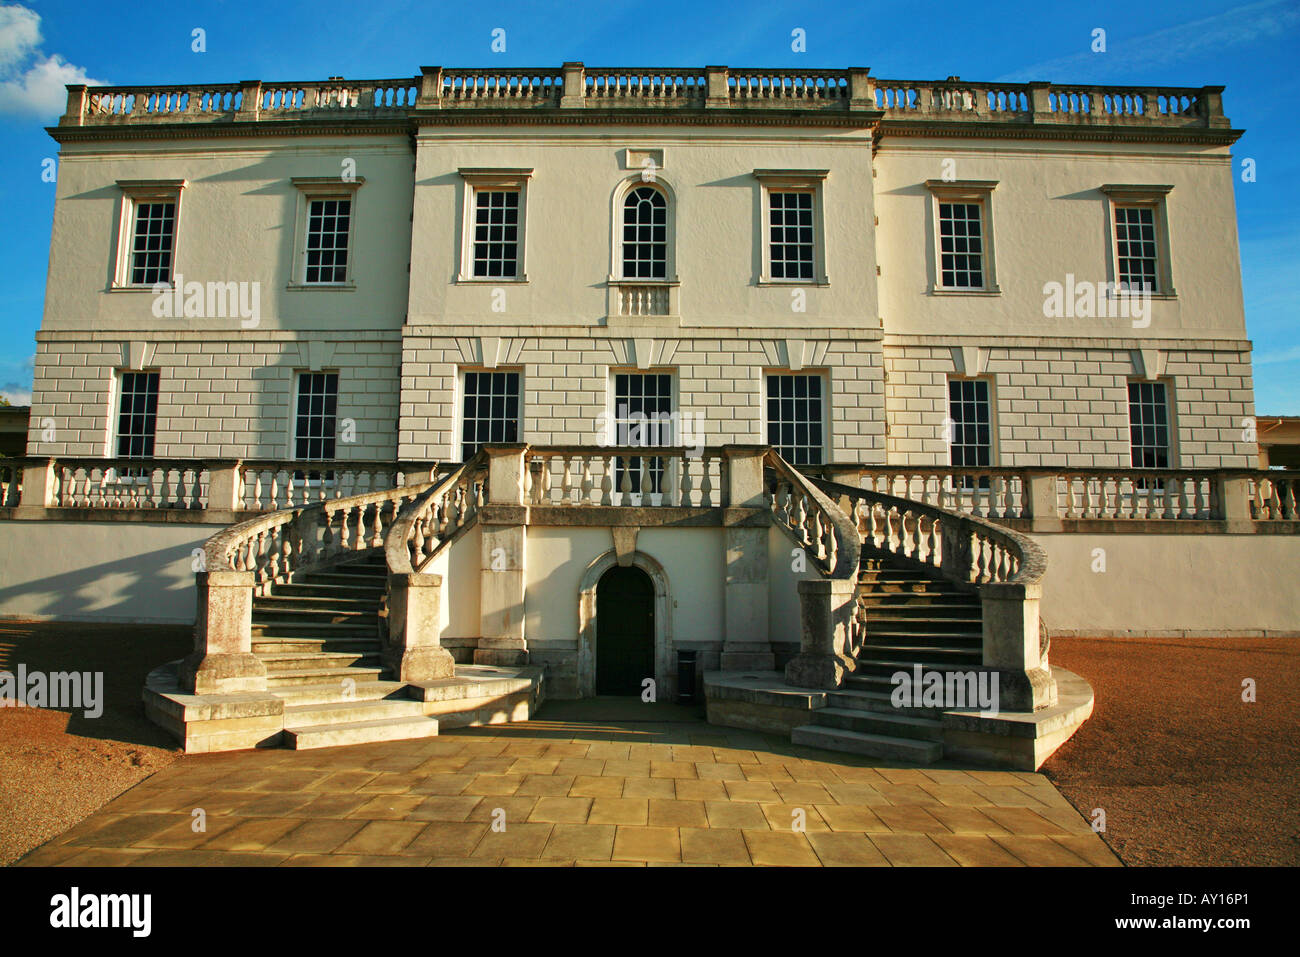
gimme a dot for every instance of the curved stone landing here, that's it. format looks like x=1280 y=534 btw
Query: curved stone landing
x=329 y=714
x=866 y=722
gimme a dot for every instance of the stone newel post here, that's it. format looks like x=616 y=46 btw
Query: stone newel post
x=1040 y=492
x=40 y=487
x=1233 y=502
x=414 y=650
x=503 y=576
x=1012 y=646
x=223 y=661
x=747 y=641
x=825 y=619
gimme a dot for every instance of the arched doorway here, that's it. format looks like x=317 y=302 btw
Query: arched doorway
x=625 y=631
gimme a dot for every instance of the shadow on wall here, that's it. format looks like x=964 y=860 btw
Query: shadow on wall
x=142 y=588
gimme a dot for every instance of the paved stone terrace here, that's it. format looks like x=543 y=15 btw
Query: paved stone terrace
x=590 y=792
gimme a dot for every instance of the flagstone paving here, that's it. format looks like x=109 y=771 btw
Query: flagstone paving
x=678 y=792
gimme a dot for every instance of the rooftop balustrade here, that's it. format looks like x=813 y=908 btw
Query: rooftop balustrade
x=573 y=86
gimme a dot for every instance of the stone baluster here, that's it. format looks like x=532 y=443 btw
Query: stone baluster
x=686 y=487
x=625 y=481
x=610 y=465
x=587 y=483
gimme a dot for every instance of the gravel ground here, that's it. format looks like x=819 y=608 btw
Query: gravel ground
x=1187 y=773
x=57 y=767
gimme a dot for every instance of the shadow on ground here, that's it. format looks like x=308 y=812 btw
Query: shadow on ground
x=57 y=765
x=123 y=654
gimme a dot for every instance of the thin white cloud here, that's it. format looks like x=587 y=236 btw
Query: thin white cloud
x=33 y=87
x=1213 y=34
x=40 y=91
x=20 y=34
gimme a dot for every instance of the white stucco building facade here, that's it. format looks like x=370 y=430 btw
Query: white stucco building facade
x=422 y=327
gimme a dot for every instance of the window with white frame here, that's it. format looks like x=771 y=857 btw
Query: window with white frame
x=790 y=232
x=1135 y=247
x=137 y=414
x=152 y=241
x=315 y=416
x=643 y=417
x=963 y=231
x=1140 y=230
x=325 y=238
x=496 y=233
x=495 y=215
x=961 y=246
x=150 y=218
x=971 y=427
x=792 y=237
x=796 y=417
x=329 y=235
x=645 y=234
x=1148 y=417
x=489 y=410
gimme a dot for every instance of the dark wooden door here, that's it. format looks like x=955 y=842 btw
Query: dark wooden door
x=625 y=631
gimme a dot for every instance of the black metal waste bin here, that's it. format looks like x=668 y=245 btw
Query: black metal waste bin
x=686 y=677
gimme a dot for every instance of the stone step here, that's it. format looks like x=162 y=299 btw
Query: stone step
x=925 y=638
x=278 y=663
x=873 y=587
x=362 y=591
x=322 y=616
x=922 y=624
x=872 y=745
x=360 y=732
x=888 y=661
x=315 y=676
x=332 y=692
x=921 y=605
x=273 y=646
x=879 y=722
x=963 y=641
x=866 y=568
x=918 y=609
x=867 y=694
x=358 y=579
x=349 y=711
x=313 y=603
x=365 y=628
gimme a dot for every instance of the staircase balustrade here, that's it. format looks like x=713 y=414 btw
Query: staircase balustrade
x=437 y=516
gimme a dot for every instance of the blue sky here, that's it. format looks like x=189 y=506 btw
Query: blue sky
x=1251 y=48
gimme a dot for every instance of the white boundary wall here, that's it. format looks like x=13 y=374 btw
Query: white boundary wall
x=1212 y=585
x=100 y=571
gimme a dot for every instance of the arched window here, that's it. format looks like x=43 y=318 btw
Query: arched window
x=645 y=234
